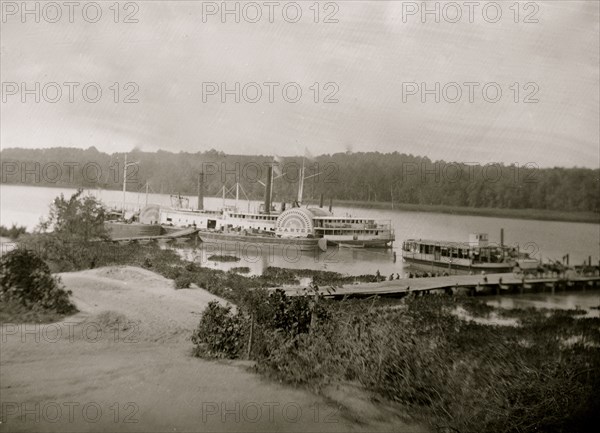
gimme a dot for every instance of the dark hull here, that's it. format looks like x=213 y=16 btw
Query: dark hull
x=476 y=268
x=374 y=243
x=301 y=244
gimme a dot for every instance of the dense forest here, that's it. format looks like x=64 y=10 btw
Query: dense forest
x=358 y=176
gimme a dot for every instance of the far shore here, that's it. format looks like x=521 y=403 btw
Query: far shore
x=526 y=214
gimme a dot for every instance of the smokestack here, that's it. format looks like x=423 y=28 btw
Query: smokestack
x=330 y=204
x=268 y=190
x=321 y=201
x=501 y=237
x=201 y=191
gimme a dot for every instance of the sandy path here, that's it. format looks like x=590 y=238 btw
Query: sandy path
x=72 y=377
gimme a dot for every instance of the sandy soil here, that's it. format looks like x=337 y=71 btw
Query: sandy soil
x=123 y=364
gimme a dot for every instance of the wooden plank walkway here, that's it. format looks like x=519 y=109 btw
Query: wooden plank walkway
x=409 y=285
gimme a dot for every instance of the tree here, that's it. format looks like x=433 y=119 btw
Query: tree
x=66 y=237
x=78 y=219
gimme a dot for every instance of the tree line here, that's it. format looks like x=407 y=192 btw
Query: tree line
x=357 y=176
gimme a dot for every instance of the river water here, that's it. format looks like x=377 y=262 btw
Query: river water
x=25 y=205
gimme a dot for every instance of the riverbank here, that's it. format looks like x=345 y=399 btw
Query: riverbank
x=526 y=214
x=126 y=357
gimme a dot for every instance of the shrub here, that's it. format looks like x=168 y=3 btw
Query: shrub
x=183 y=281
x=241 y=269
x=13 y=232
x=220 y=333
x=223 y=258
x=147 y=263
x=26 y=279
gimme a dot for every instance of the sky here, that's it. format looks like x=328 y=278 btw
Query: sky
x=371 y=62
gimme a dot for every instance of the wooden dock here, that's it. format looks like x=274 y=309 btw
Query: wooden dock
x=470 y=284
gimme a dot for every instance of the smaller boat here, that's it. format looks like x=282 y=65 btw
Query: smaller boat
x=475 y=256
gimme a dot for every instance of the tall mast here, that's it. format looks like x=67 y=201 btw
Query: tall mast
x=271 y=195
x=124 y=183
x=301 y=185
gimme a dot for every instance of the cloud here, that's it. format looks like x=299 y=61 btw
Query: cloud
x=367 y=55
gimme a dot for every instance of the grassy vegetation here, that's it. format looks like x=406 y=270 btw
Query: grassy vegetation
x=13 y=232
x=459 y=375
x=241 y=269
x=223 y=258
x=527 y=214
x=15 y=312
x=28 y=290
x=455 y=374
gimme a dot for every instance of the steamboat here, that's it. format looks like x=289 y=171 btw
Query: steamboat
x=306 y=228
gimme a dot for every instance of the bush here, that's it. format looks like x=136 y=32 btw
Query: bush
x=183 y=281
x=26 y=279
x=14 y=232
x=147 y=263
x=223 y=258
x=272 y=316
x=241 y=269
x=220 y=334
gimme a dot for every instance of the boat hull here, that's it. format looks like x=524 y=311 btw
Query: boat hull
x=427 y=265
x=361 y=243
x=302 y=244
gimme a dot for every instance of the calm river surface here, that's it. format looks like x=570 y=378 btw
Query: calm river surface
x=25 y=205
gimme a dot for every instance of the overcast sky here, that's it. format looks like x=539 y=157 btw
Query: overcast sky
x=369 y=53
